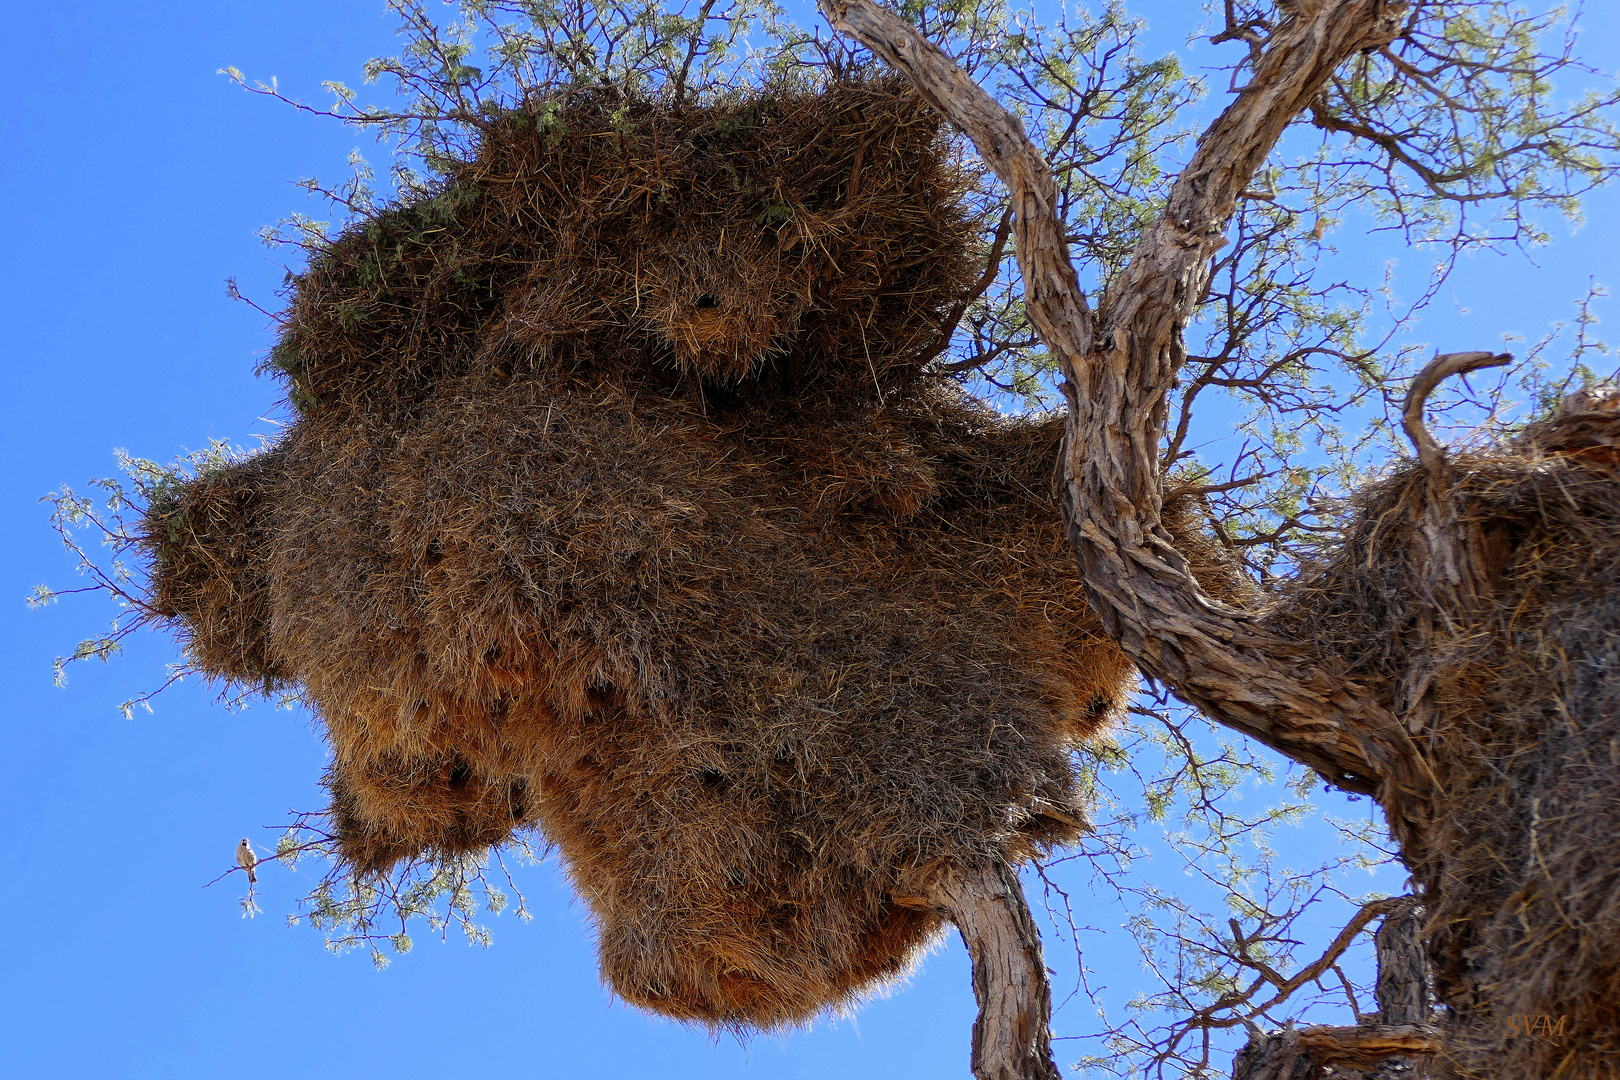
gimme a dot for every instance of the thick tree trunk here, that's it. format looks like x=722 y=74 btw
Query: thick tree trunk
x=1012 y=1037
x=1521 y=876
x=1120 y=364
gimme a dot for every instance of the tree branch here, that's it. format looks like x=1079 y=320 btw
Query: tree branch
x=1436 y=371
x=1121 y=364
x=1278 y=1056
x=1012 y=1039
x=1401 y=1028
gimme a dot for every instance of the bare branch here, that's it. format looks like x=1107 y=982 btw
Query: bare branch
x=1436 y=371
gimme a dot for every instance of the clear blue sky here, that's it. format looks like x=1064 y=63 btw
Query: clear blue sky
x=136 y=178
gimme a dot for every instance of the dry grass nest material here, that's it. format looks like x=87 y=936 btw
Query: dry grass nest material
x=1517 y=843
x=615 y=509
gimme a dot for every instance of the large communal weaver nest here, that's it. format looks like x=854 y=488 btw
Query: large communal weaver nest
x=1511 y=826
x=616 y=507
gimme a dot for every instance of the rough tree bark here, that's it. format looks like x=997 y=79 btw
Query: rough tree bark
x=1405 y=988
x=1119 y=363
x=1011 y=1038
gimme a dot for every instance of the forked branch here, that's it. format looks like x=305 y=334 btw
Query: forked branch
x=1120 y=364
x=1402 y=1028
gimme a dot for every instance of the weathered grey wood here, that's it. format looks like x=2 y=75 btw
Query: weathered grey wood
x=1119 y=362
x=1012 y=1037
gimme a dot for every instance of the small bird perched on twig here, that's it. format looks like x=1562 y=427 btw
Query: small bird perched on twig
x=247 y=860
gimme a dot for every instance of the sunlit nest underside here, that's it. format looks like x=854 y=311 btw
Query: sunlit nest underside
x=616 y=508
